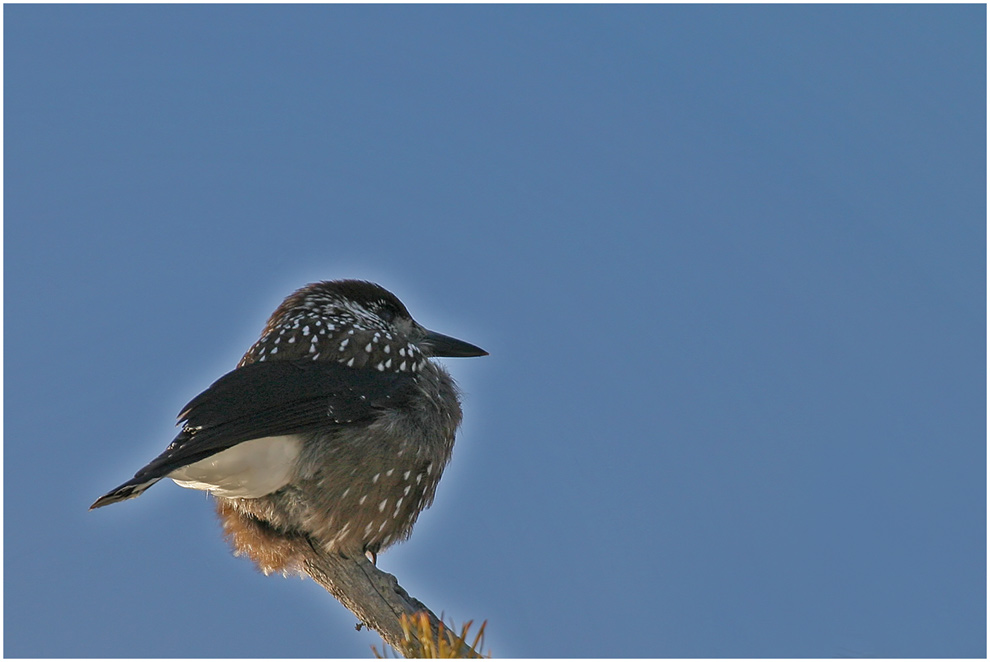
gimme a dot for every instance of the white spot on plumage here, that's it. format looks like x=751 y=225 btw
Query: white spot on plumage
x=306 y=330
x=350 y=363
x=362 y=500
x=381 y=506
x=367 y=348
x=374 y=479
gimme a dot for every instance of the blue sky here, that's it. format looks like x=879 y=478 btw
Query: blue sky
x=729 y=261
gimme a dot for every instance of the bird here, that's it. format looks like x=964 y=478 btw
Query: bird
x=333 y=430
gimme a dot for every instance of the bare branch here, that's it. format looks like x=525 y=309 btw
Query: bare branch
x=374 y=596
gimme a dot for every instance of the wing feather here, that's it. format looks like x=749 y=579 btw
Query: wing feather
x=264 y=399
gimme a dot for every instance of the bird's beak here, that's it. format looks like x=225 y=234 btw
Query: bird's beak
x=437 y=344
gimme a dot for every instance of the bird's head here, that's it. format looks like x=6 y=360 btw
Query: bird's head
x=355 y=323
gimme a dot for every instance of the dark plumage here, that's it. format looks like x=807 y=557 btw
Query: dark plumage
x=335 y=427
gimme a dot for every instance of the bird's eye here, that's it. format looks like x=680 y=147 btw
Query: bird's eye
x=386 y=312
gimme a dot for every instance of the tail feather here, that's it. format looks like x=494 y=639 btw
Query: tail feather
x=132 y=488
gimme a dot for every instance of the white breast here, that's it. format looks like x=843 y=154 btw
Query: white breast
x=250 y=469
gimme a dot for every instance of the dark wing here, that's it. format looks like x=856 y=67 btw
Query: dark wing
x=265 y=399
